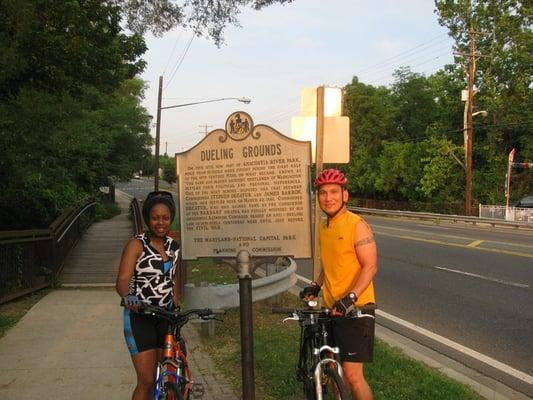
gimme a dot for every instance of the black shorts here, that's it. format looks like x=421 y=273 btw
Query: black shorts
x=143 y=332
x=354 y=337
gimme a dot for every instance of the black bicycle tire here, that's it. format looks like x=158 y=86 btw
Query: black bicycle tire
x=308 y=381
x=173 y=388
x=336 y=380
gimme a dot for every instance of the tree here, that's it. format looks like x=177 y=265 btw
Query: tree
x=70 y=114
x=168 y=164
x=204 y=17
x=64 y=46
x=415 y=106
x=60 y=149
x=504 y=40
x=370 y=111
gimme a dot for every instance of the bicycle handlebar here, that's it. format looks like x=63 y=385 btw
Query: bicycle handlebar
x=176 y=315
x=323 y=311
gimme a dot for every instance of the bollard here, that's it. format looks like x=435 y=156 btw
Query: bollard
x=207 y=328
x=247 y=336
x=272 y=269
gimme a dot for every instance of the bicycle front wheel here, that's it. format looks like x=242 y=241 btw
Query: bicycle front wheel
x=305 y=369
x=335 y=388
x=170 y=391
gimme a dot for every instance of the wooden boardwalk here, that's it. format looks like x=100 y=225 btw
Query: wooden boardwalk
x=95 y=259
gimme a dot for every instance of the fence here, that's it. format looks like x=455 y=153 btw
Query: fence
x=453 y=208
x=32 y=259
x=517 y=214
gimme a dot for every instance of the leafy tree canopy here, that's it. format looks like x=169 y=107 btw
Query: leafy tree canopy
x=205 y=17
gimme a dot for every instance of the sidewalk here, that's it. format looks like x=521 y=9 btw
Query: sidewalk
x=70 y=345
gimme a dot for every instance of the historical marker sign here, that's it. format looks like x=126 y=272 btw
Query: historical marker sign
x=245 y=188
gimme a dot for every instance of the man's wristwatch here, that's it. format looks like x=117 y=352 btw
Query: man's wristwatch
x=352 y=296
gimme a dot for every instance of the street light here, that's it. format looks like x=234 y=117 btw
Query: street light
x=158 y=122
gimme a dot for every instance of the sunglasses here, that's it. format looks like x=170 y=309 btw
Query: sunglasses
x=159 y=193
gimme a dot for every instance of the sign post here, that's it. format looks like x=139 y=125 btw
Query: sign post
x=508 y=177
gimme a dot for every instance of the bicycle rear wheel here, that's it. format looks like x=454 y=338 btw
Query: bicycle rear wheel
x=335 y=388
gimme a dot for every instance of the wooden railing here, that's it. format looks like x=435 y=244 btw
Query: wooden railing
x=32 y=259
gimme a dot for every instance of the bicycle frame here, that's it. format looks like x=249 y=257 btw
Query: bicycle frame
x=174 y=367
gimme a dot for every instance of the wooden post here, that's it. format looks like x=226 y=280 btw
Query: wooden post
x=319 y=153
x=157 y=134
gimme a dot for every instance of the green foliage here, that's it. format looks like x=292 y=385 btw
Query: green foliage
x=13 y=311
x=106 y=209
x=65 y=45
x=503 y=36
x=204 y=18
x=210 y=272
x=168 y=164
x=70 y=110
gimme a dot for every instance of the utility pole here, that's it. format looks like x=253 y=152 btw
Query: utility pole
x=468 y=127
x=205 y=128
x=157 y=133
x=166 y=148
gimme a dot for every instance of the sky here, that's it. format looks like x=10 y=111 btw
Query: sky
x=280 y=50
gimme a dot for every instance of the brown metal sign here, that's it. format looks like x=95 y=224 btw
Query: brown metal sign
x=245 y=188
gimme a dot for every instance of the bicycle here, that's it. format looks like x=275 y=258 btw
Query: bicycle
x=174 y=379
x=319 y=367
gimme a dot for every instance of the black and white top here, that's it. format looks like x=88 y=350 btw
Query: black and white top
x=153 y=279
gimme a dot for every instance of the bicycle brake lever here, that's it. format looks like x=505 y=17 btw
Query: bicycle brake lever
x=293 y=318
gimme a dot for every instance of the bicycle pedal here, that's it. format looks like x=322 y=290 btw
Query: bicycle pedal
x=198 y=391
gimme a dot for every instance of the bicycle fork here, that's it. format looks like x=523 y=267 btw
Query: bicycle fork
x=323 y=363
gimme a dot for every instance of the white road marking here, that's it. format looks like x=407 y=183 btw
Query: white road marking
x=465 y=350
x=487 y=278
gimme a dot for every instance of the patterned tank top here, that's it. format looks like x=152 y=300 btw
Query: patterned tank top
x=153 y=278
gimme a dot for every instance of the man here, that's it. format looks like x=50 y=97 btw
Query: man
x=349 y=262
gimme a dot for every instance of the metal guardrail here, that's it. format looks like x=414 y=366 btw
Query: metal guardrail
x=442 y=217
x=227 y=296
x=31 y=259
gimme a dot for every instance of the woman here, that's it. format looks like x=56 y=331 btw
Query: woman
x=148 y=274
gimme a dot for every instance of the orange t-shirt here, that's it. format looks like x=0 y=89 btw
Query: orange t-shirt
x=340 y=265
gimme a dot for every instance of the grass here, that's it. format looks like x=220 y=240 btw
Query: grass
x=13 y=311
x=207 y=270
x=392 y=375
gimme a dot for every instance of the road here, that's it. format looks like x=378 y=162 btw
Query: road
x=472 y=285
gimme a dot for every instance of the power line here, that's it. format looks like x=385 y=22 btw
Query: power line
x=172 y=52
x=180 y=61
